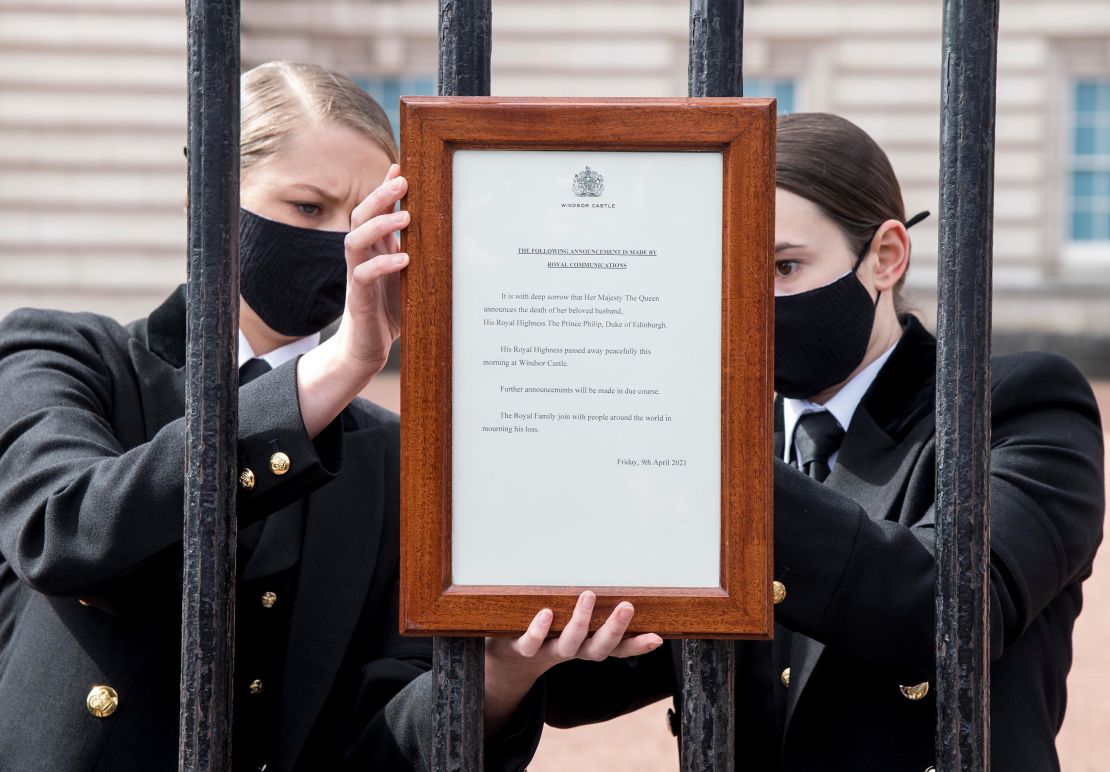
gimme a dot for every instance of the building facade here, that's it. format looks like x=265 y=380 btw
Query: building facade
x=92 y=124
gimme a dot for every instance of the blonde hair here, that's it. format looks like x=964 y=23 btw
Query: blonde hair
x=278 y=97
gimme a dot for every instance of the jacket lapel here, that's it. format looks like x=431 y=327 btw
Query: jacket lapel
x=162 y=387
x=341 y=542
x=279 y=543
x=893 y=423
x=158 y=353
x=872 y=471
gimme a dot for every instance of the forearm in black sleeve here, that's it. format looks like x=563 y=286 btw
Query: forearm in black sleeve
x=867 y=587
x=580 y=692
x=78 y=510
x=863 y=586
x=1047 y=493
x=404 y=732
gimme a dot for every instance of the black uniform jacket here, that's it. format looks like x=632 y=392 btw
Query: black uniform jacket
x=92 y=454
x=856 y=555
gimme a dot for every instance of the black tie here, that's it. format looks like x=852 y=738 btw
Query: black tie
x=816 y=437
x=251 y=369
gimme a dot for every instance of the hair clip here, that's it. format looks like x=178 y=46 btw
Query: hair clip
x=916 y=219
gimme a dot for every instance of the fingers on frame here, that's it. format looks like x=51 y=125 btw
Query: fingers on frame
x=365 y=236
x=637 y=645
x=528 y=644
x=382 y=199
x=378 y=267
x=609 y=635
x=578 y=628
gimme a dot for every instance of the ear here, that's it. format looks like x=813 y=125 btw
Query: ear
x=889 y=255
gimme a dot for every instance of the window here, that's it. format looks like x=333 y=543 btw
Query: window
x=1090 y=162
x=388 y=90
x=781 y=89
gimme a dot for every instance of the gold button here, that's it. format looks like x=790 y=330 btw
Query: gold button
x=246 y=479
x=778 y=592
x=280 y=463
x=785 y=677
x=269 y=599
x=256 y=686
x=83 y=602
x=915 y=692
x=102 y=701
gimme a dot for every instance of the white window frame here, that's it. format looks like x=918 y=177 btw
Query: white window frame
x=1084 y=261
x=800 y=63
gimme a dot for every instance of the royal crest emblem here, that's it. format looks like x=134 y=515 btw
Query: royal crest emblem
x=588 y=183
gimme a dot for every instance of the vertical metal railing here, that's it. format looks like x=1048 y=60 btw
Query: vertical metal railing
x=465 y=44
x=716 y=48
x=458 y=664
x=963 y=384
x=708 y=701
x=963 y=393
x=208 y=594
x=708 y=706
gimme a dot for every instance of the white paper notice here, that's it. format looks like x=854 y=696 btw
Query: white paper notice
x=586 y=373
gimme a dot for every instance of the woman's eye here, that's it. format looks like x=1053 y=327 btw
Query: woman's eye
x=310 y=210
x=786 y=267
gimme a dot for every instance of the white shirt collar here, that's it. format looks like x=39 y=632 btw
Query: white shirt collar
x=278 y=356
x=842 y=405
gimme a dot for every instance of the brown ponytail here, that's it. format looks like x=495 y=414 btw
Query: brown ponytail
x=832 y=162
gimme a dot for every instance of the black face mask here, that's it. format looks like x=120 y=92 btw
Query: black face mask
x=821 y=335
x=294 y=278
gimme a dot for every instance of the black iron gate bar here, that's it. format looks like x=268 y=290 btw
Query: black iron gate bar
x=211 y=388
x=708 y=667
x=963 y=384
x=458 y=664
x=963 y=392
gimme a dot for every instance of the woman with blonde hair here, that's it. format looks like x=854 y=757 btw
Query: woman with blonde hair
x=92 y=448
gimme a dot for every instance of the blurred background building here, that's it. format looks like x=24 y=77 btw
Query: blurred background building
x=92 y=124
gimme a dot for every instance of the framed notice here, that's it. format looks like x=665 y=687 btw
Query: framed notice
x=586 y=363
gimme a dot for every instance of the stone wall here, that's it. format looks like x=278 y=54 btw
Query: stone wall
x=92 y=112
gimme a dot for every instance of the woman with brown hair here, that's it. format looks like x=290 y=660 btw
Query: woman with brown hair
x=92 y=448
x=847 y=682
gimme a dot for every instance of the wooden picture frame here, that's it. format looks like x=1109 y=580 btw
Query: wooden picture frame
x=433 y=129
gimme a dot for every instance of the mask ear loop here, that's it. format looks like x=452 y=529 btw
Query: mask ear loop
x=859 y=261
x=867 y=244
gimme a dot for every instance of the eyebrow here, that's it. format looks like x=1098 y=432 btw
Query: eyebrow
x=318 y=191
x=785 y=245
